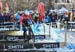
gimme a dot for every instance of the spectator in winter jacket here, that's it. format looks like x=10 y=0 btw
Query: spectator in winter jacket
x=35 y=17
x=41 y=18
x=48 y=19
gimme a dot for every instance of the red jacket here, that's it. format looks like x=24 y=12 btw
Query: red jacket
x=23 y=17
x=41 y=18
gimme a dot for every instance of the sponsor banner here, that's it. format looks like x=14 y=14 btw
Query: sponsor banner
x=29 y=46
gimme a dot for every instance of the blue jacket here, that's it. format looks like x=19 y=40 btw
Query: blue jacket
x=47 y=19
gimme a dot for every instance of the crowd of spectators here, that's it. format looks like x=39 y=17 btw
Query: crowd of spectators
x=36 y=17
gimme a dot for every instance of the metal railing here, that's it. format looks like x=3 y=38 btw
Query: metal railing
x=15 y=25
x=9 y=26
x=68 y=25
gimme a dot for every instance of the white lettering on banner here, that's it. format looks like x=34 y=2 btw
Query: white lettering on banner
x=12 y=38
x=15 y=47
x=50 y=45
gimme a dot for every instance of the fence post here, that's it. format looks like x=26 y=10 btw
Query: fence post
x=65 y=33
x=44 y=29
x=49 y=30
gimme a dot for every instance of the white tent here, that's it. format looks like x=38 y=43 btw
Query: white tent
x=63 y=10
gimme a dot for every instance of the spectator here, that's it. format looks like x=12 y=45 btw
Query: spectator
x=12 y=18
x=48 y=19
x=35 y=17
